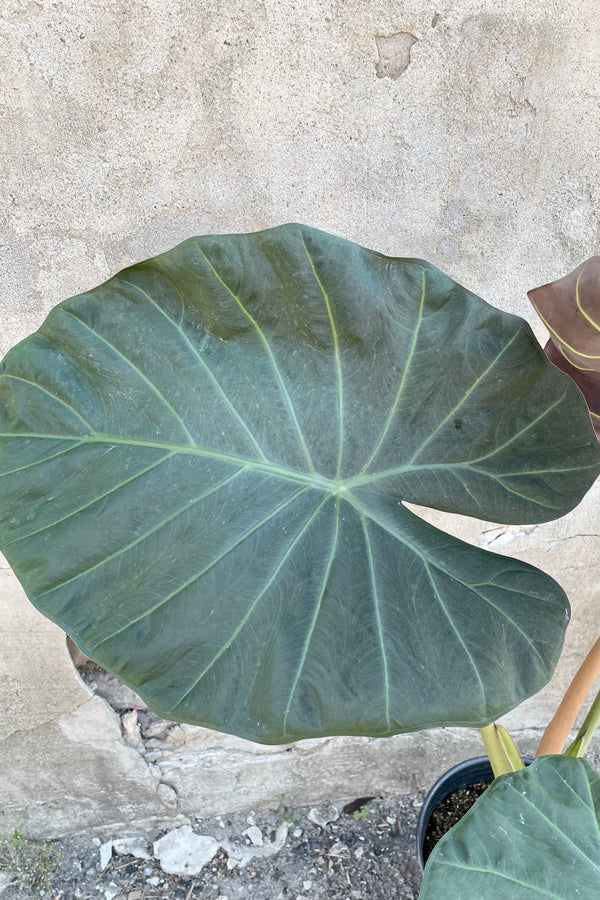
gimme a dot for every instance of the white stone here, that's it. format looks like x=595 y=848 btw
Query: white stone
x=105 y=854
x=323 y=815
x=243 y=855
x=339 y=850
x=183 y=852
x=167 y=794
x=135 y=845
x=131 y=729
x=254 y=835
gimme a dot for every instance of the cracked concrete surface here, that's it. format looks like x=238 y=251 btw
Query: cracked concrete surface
x=64 y=766
x=129 y=127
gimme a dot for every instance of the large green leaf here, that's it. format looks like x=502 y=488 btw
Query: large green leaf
x=533 y=835
x=201 y=474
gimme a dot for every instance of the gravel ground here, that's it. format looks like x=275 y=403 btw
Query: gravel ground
x=360 y=851
x=365 y=850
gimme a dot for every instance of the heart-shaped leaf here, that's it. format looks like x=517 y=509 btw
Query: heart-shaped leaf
x=201 y=474
x=570 y=309
x=533 y=835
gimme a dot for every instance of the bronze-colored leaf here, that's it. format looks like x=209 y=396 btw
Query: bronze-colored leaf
x=587 y=382
x=570 y=310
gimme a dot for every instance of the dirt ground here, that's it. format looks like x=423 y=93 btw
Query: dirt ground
x=365 y=850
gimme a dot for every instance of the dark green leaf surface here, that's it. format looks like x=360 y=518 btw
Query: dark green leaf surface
x=533 y=835
x=202 y=464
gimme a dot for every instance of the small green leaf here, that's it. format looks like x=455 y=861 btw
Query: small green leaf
x=533 y=835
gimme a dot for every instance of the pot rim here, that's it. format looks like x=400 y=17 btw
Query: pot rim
x=462 y=775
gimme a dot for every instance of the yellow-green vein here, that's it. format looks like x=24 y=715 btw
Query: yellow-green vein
x=52 y=396
x=571 y=363
x=580 y=307
x=216 y=384
x=316 y=612
x=440 y=861
x=590 y=807
x=142 y=537
x=137 y=371
x=498 y=449
x=396 y=402
x=373 y=579
x=44 y=459
x=561 y=339
x=257 y=465
x=272 y=360
x=363 y=508
x=87 y=505
x=552 y=825
x=459 y=637
x=254 y=603
x=338 y=362
x=465 y=397
x=248 y=533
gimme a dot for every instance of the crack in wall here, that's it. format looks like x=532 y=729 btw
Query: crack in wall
x=140 y=728
x=557 y=543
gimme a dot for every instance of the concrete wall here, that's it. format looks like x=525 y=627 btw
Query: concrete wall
x=464 y=132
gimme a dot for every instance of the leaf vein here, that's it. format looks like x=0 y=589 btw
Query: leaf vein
x=446 y=611
x=271 y=357
x=80 y=509
x=503 y=875
x=248 y=533
x=52 y=396
x=426 y=559
x=386 y=677
x=138 y=372
x=216 y=384
x=552 y=825
x=254 y=603
x=396 y=402
x=316 y=613
x=338 y=364
x=40 y=462
x=466 y=396
x=189 y=505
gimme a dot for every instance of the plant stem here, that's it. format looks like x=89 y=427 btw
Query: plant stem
x=501 y=749
x=557 y=732
x=586 y=732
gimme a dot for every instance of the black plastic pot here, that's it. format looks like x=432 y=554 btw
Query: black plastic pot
x=461 y=776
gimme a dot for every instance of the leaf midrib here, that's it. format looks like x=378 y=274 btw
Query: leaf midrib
x=314 y=479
